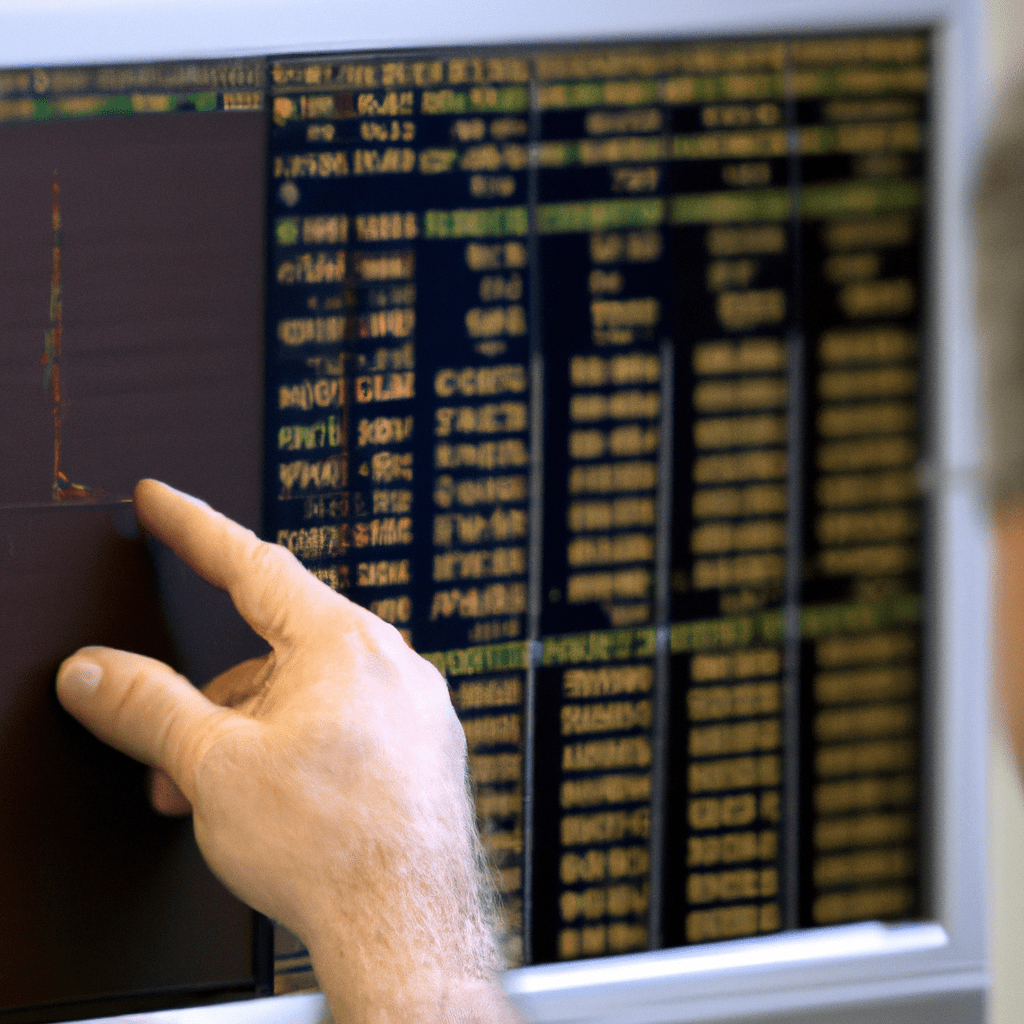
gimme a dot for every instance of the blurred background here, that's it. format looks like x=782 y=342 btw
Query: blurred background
x=1006 y=803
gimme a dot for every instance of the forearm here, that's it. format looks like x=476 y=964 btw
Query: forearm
x=418 y=946
x=402 y=926
x=395 y=993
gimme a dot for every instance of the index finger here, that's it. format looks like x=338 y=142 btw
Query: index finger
x=268 y=585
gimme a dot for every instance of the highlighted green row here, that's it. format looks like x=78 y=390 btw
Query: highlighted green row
x=770 y=204
x=552 y=218
x=682 y=89
x=727 y=633
x=98 y=106
x=599 y=215
x=488 y=222
x=816 y=201
x=485 y=658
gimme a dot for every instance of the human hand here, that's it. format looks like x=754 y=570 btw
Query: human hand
x=326 y=779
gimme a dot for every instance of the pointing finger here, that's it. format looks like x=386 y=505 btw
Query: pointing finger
x=143 y=708
x=270 y=588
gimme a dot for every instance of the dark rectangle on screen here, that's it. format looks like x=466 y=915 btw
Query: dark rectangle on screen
x=106 y=907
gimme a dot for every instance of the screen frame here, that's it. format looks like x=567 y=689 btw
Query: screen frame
x=815 y=969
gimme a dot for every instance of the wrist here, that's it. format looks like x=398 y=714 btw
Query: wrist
x=397 y=993
x=370 y=980
x=410 y=941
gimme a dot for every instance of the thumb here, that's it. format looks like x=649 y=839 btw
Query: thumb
x=143 y=708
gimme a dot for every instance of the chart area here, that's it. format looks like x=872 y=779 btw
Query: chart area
x=129 y=347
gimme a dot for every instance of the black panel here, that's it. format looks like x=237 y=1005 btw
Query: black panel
x=106 y=907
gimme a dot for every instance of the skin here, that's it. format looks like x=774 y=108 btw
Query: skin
x=326 y=780
x=1008 y=535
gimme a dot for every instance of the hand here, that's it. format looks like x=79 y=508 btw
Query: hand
x=327 y=779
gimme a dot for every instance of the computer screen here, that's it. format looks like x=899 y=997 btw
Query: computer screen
x=598 y=372
x=608 y=370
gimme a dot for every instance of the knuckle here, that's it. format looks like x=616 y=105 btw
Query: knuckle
x=263 y=562
x=267 y=569
x=130 y=698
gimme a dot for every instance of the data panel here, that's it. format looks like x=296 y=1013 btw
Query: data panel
x=598 y=373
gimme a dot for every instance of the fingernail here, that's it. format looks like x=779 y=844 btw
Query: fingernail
x=78 y=679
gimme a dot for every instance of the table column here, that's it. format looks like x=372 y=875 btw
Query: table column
x=735 y=312
x=602 y=248
x=863 y=122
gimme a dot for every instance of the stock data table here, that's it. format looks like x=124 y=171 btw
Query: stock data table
x=598 y=372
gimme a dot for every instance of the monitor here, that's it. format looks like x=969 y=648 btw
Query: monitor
x=621 y=358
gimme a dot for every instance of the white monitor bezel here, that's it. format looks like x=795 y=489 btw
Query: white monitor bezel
x=818 y=968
